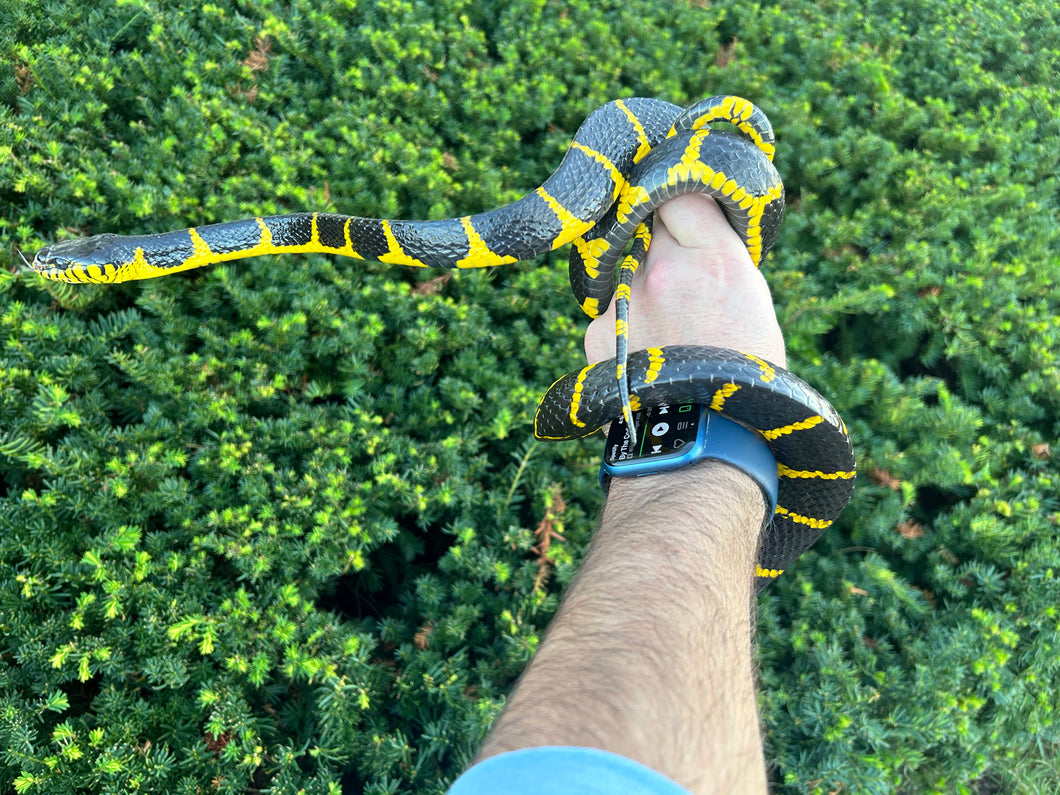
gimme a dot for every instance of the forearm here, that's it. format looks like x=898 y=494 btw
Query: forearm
x=655 y=633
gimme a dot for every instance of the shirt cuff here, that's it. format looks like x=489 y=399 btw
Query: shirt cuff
x=561 y=770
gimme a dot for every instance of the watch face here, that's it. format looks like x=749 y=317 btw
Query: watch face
x=664 y=433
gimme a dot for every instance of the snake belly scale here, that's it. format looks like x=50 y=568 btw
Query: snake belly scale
x=627 y=158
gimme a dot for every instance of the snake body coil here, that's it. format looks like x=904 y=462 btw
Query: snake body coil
x=627 y=158
x=815 y=462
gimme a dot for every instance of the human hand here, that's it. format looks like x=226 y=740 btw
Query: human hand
x=697 y=286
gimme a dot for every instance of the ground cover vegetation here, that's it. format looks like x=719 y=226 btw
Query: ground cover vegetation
x=279 y=526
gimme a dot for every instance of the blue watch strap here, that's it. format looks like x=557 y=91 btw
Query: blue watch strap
x=723 y=440
x=731 y=442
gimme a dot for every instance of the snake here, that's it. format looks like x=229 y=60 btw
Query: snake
x=627 y=158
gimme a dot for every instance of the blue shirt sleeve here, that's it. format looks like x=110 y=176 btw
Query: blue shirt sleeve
x=562 y=771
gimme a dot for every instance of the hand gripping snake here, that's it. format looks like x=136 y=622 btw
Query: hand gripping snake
x=627 y=158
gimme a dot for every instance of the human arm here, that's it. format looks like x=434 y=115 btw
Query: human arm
x=649 y=655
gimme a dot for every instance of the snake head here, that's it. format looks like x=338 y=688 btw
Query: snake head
x=86 y=259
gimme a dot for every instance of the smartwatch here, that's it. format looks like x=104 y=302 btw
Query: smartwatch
x=677 y=436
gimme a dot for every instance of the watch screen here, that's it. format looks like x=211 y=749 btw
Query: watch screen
x=662 y=432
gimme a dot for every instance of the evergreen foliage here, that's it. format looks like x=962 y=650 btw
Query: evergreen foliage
x=280 y=527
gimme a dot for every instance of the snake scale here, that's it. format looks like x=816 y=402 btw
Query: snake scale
x=627 y=158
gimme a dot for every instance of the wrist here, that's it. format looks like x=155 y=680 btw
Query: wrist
x=694 y=490
x=709 y=515
x=671 y=438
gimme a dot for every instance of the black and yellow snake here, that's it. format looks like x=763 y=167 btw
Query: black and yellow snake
x=627 y=158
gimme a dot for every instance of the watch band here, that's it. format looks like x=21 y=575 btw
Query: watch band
x=723 y=440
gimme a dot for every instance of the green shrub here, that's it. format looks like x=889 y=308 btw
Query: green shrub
x=280 y=526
